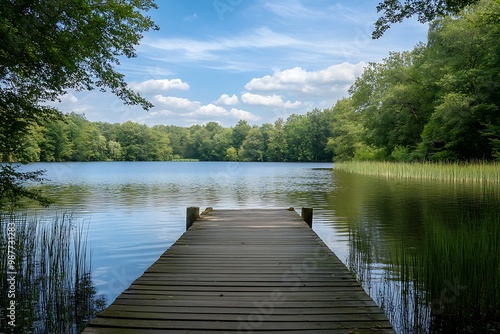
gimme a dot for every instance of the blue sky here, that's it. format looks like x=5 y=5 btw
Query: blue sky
x=258 y=60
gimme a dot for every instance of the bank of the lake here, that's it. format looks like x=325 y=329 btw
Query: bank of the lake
x=485 y=172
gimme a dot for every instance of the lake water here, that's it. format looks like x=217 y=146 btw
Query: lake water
x=136 y=210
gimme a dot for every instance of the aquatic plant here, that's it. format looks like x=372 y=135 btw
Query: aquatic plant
x=448 y=284
x=49 y=275
x=478 y=172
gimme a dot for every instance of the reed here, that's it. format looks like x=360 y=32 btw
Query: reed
x=448 y=283
x=390 y=276
x=461 y=265
x=478 y=172
x=454 y=275
x=54 y=291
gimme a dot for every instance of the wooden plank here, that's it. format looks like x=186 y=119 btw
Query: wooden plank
x=245 y=271
x=235 y=310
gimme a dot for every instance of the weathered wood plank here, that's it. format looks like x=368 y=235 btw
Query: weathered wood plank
x=240 y=310
x=254 y=325
x=245 y=270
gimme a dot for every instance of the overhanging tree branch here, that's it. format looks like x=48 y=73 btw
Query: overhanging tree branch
x=394 y=11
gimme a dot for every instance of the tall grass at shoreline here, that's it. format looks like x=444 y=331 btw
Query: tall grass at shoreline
x=480 y=172
x=461 y=265
x=54 y=291
x=448 y=284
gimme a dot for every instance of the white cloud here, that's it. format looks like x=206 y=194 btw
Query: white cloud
x=310 y=82
x=191 y=49
x=68 y=98
x=159 y=85
x=213 y=110
x=187 y=111
x=209 y=109
x=163 y=112
x=227 y=100
x=242 y=114
x=176 y=102
x=268 y=100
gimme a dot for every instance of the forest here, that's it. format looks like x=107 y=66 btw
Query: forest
x=439 y=101
x=300 y=138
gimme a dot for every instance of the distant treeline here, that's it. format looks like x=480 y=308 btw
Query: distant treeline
x=440 y=101
x=299 y=138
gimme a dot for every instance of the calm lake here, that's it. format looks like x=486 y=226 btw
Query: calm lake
x=136 y=210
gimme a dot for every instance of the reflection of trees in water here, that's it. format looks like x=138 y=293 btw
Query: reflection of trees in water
x=446 y=282
x=53 y=287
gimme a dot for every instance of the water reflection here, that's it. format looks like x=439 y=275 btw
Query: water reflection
x=416 y=245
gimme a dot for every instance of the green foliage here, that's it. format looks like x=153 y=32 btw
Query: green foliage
x=12 y=188
x=394 y=11
x=365 y=152
x=277 y=145
x=252 y=148
x=346 y=131
x=54 y=289
x=477 y=173
x=395 y=100
x=449 y=131
x=48 y=47
x=240 y=132
x=468 y=252
x=298 y=138
x=401 y=154
x=231 y=154
x=439 y=101
x=74 y=138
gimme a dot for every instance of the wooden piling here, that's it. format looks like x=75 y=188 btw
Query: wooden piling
x=307 y=215
x=192 y=213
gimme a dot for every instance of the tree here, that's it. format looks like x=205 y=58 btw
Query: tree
x=299 y=138
x=12 y=187
x=320 y=130
x=231 y=154
x=449 y=135
x=55 y=145
x=221 y=143
x=48 y=47
x=395 y=11
x=114 y=150
x=463 y=55
x=346 y=131
x=252 y=148
x=265 y=130
x=277 y=146
x=396 y=99
x=240 y=132
x=94 y=143
x=133 y=138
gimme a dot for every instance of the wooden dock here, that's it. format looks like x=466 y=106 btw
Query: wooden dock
x=245 y=271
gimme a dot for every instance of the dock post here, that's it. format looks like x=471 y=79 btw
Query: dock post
x=307 y=215
x=192 y=213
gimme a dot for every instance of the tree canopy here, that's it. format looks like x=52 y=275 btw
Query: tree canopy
x=395 y=11
x=439 y=101
x=50 y=46
x=74 y=138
